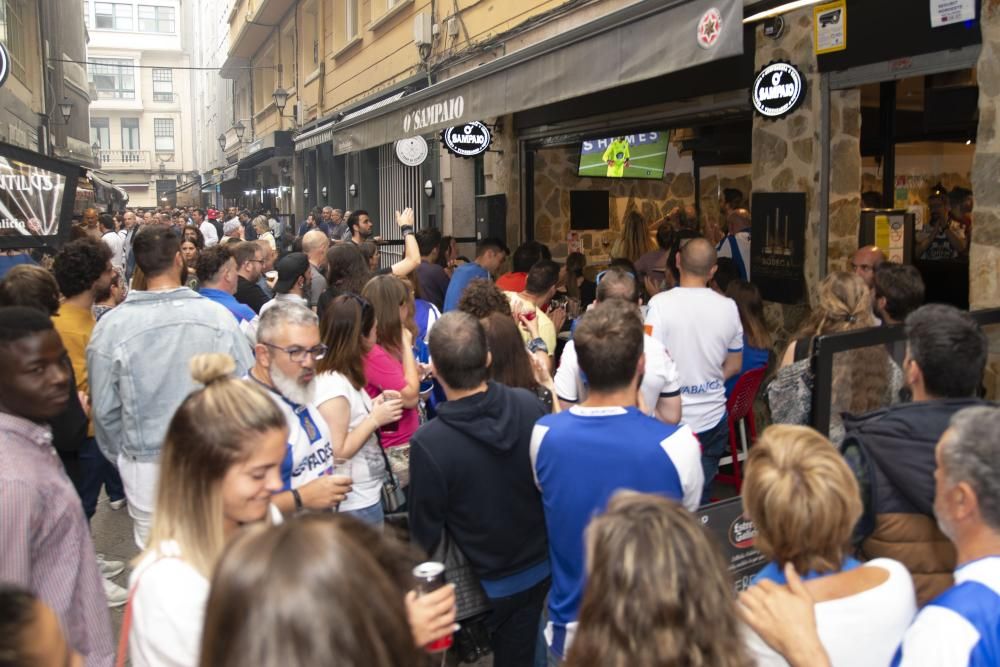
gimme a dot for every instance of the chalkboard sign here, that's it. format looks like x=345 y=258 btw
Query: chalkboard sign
x=735 y=535
x=777 y=247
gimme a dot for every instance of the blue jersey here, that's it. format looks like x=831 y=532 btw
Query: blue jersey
x=463 y=275
x=960 y=627
x=581 y=457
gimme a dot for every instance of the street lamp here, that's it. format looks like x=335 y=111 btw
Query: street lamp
x=280 y=98
x=222 y=141
x=66 y=109
x=240 y=129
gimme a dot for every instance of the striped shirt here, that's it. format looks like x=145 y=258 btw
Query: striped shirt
x=45 y=542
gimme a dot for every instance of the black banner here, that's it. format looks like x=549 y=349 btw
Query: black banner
x=735 y=534
x=777 y=248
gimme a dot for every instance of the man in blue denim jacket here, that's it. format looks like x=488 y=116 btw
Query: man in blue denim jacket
x=138 y=361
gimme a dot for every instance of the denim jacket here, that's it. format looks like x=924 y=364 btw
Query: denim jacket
x=138 y=364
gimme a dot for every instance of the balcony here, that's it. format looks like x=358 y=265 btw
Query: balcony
x=250 y=24
x=128 y=159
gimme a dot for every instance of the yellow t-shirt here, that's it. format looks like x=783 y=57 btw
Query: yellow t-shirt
x=75 y=326
x=546 y=330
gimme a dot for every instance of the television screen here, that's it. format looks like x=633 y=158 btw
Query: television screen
x=36 y=198
x=636 y=155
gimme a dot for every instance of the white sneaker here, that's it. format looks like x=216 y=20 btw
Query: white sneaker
x=117 y=596
x=109 y=568
x=116 y=504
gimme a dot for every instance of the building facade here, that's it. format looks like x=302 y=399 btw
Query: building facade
x=43 y=104
x=141 y=118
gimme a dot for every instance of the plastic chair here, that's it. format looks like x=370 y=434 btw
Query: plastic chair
x=740 y=413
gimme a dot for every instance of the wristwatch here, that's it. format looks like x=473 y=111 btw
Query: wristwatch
x=406 y=229
x=298 y=499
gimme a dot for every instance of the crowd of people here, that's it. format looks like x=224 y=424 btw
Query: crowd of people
x=294 y=424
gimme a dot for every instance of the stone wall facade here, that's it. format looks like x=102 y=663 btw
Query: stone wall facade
x=984 y=253
x=787 y=158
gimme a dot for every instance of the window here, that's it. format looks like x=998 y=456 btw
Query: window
x=163 y=85
x=130 y=134
x=310 y=38
x=352 y=19
x=100 y=132
x=288 y=77
x=156 y=19
x=112 y=16
x=114 y=78
x=12 y=34
x=263 y=81
x=163 y=133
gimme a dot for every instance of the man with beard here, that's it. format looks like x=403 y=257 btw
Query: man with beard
x=891 y=451
x=137 y=358
x=360 y=226
x=288 y=346
x=249 y=268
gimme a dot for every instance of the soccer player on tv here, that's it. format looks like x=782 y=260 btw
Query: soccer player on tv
x=617 y=156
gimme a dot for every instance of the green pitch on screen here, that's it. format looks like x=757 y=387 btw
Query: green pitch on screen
x=645 y=160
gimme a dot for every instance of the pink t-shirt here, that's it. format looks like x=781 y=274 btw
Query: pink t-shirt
x=383 y=371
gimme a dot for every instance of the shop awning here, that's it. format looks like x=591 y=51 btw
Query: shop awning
x=642 y=41
x=274 y=144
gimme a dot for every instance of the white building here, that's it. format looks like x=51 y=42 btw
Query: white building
x=141 y=117
x=206 y=28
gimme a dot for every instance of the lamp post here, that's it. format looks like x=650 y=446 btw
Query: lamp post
x=65 y=109
x=280 y=98
x=222 y=141
x=240 y=129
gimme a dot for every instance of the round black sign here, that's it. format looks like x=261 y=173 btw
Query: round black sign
x=4 y=64
x=778 y=89
x=467 y=140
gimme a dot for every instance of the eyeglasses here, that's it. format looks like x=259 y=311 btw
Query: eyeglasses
x=597 y=280
x=298 y=354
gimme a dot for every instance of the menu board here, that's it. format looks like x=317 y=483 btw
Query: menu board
x=735 y=535
x=36 y=198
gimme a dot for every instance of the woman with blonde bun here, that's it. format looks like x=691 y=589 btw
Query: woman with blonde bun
x=863 y=380
x=219 y=467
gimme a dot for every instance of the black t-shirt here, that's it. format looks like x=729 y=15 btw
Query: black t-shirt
x=250 y=294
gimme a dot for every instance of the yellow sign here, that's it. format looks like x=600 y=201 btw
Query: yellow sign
x=830 y=27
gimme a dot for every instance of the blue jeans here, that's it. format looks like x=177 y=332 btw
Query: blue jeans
x=714 y=444
x=372 y=515
x=97 y=471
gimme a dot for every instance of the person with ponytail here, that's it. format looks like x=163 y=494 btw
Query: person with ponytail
x=219 y=466
x=863 y=380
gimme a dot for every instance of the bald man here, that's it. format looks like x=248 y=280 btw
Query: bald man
x=315 y=243
x=736 y=243
x=865 y=261
x=702 y=332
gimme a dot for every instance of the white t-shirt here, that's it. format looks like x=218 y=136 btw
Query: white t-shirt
x=367 y=465
x=117 y=246
x=209 y=232
x=659 y=380
x=168 y=607
x=861 y=630
x=699 y=327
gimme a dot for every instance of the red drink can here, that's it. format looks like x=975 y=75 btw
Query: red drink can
x=430 y=577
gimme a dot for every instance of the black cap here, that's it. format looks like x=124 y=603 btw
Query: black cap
x=290 y=268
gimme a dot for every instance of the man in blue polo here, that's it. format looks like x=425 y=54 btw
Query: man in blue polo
x=218 y=278
x=583 y=455
x=490 y=254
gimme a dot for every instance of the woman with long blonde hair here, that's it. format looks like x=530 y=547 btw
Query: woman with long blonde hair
x=658 y=592
x=219 y=466
x=634 y=241
x=863 y=379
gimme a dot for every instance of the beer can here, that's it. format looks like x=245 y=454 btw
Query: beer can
x=429 y=577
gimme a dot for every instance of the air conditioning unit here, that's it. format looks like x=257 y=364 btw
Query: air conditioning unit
x=422 y=29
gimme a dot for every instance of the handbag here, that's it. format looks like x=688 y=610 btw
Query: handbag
x=392 y=493
x=470 y=599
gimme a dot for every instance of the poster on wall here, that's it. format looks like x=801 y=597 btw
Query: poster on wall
x=777 y=248
x=36 y=198
x=830 y=27
x=948 y=12
x=735 y=535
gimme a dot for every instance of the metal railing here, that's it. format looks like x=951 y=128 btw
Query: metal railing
x=827 y=346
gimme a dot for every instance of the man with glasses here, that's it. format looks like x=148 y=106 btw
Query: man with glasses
x=137 y=362
x=249 y=268
x=288 y=347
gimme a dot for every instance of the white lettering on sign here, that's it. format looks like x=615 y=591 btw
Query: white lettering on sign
x=433 y=114
x=777 y=90
x=25 y=183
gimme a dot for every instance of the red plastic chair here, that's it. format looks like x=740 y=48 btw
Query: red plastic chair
x=740 y=410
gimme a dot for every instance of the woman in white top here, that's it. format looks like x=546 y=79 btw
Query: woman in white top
x=219 y=466
x=804 y=502
x=349 y=331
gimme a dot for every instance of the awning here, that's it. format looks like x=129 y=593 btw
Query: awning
x=642 y=41
x=181 y=188
x=230 y=173
x=274 y=144
x=323 y=133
